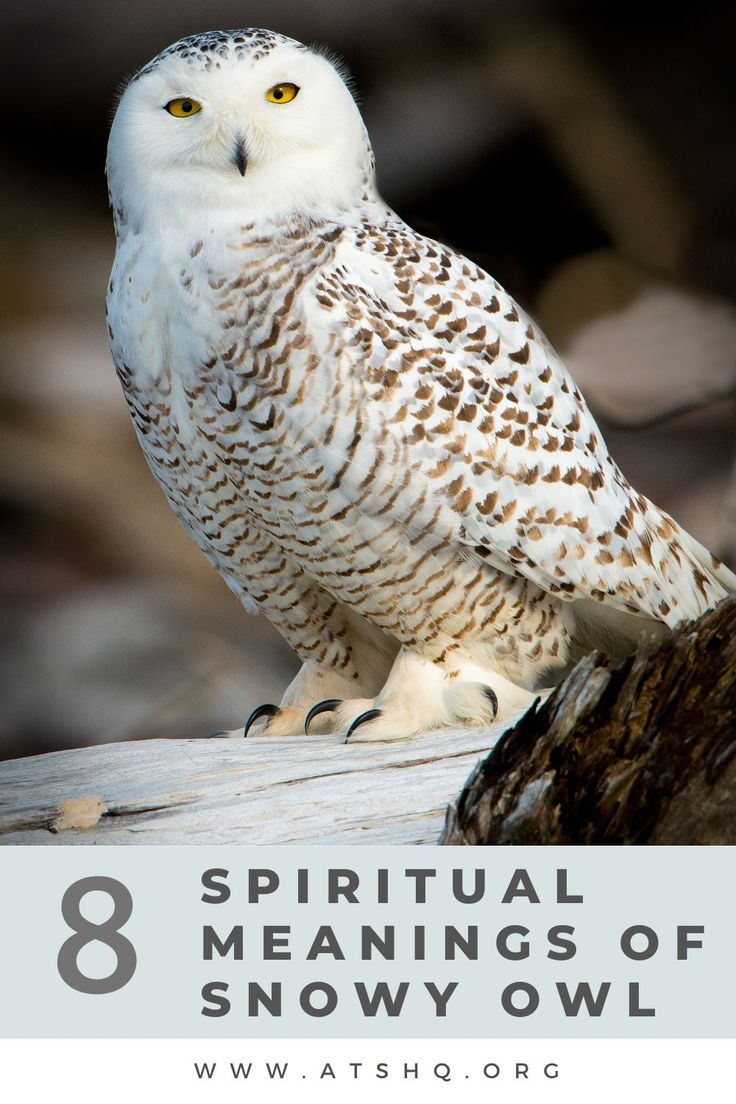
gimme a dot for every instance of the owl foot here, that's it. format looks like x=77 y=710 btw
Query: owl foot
x=421 y=695
x=418 y=696
x=321 y=707
x=284 y=720
x=254 y=720
x=391 y=717
x=266 y=710
x=293 y=716
x=364 y=718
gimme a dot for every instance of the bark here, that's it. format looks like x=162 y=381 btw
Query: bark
x=643 y=752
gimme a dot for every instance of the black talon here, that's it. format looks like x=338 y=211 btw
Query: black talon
x=369 y=715
x=491 y=695
x=321 y=707
x=260 y=711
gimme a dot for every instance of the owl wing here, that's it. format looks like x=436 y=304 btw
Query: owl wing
x=453 y=411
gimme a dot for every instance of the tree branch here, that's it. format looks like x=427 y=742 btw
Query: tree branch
x=644 y=752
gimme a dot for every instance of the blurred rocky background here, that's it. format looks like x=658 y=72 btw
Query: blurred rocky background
x=582 y=152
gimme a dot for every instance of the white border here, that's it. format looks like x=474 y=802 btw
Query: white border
x=128 y=1071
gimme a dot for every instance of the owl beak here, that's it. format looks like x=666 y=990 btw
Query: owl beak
x=240 y=158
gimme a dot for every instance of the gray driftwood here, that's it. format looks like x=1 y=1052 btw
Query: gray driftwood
x=303 y=790
x=640 y=753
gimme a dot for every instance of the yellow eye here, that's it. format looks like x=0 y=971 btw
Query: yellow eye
x=281 y=93
x=183 y=107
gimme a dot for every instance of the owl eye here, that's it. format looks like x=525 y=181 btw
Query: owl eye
x=183 y=107
x=282 y=93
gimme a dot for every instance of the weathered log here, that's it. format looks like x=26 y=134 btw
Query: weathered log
x=308 y=789
x=643 y=752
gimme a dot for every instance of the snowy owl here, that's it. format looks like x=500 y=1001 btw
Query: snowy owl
x=368 y=438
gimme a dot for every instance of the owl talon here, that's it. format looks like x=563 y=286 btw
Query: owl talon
x=214 y=735
x=369 y=715
x=266 y=710
x=493 y=699
x=321 y=707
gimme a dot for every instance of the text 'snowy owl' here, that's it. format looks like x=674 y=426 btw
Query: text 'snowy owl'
x=364 y=433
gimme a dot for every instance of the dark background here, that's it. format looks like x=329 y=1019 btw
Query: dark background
x=582 y=152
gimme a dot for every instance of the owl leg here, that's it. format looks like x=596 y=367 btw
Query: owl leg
x=421 y=694
x=343 y=655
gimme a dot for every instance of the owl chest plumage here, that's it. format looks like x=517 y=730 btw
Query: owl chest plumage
x=227 y=382
x=167 y=339
x=249 y=423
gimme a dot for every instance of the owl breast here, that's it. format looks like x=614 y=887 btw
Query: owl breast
x=249 y=423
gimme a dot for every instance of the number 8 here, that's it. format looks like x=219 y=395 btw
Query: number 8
x=87 y=932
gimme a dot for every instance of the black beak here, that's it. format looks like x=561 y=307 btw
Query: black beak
x=239 y=156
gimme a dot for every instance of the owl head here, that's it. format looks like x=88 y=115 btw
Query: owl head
x=245 y=119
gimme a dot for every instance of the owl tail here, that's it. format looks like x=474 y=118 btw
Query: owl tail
x=713 y=580
x=693 y=579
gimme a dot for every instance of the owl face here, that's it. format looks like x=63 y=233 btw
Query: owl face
x=272 y=131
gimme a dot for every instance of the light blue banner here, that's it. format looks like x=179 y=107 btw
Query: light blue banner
x=365 y=942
